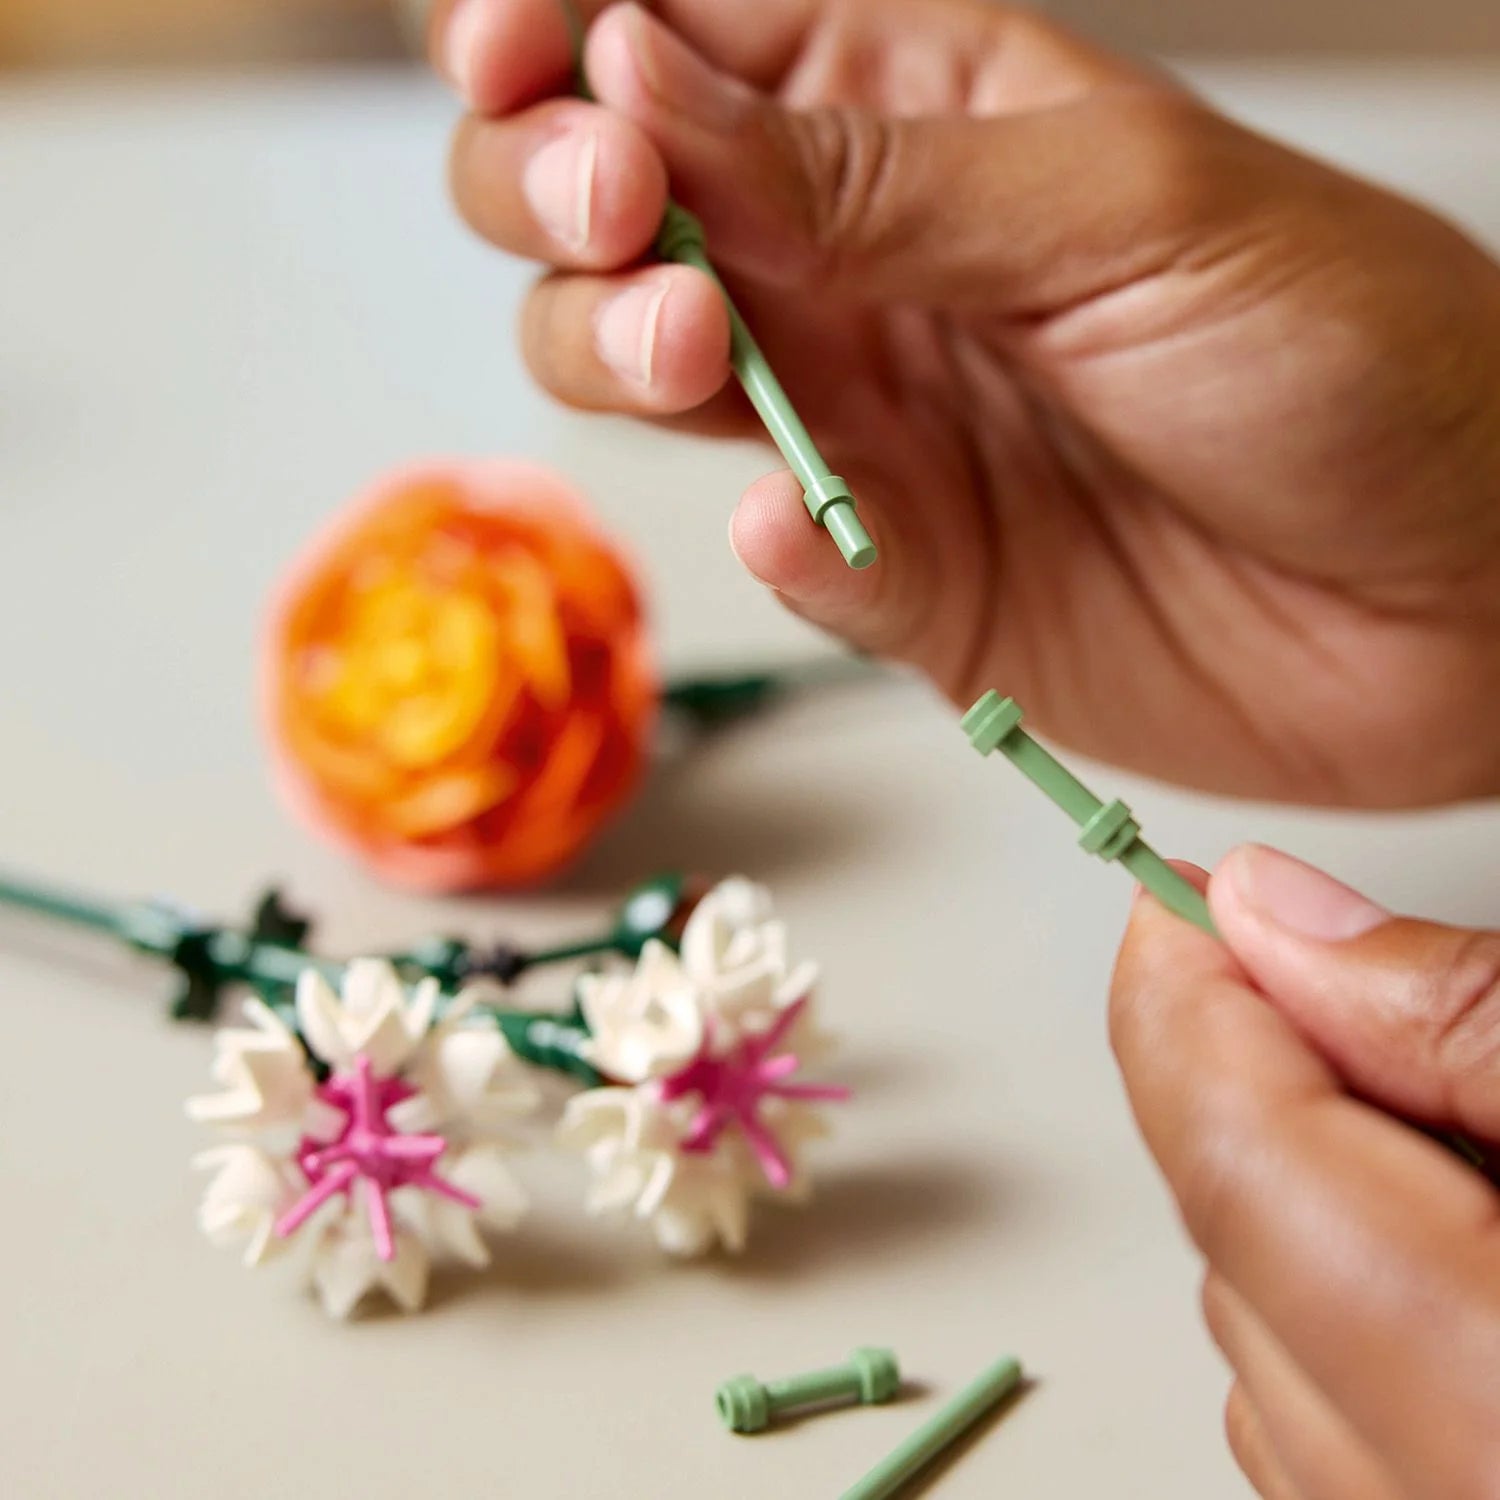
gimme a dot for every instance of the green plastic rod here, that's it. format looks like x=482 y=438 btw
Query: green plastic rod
x=1108 y=830
x=939 y=1432
x=66 y=906
x=827 y=496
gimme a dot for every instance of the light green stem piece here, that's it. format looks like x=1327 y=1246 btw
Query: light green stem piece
x=1108 y=830
x=939 y=1432
x=745 y=1404
x=828 y=497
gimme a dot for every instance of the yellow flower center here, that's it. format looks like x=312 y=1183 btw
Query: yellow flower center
x=413 y=670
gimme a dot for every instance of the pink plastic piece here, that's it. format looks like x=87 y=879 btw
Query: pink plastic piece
x=371 y=1151
x=734 y=1086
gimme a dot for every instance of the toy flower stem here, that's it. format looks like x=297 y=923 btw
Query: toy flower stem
x=828 y=498
x=1107 y=830
x=269 y=958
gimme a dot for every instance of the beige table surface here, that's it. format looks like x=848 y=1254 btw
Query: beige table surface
x=225 y=307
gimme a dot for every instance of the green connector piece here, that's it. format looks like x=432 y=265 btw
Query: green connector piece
x=1107 y=830
x=829 y=500
x=868 y=1376
x=938 y=1433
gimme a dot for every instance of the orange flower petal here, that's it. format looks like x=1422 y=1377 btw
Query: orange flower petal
x=457 y=678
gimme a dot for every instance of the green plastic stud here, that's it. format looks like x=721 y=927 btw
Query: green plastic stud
x=1107 y=830
x=868 y=1376
x=939 y=1432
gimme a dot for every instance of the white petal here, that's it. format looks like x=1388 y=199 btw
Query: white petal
x=468 y=1073
x=685 y=1231
x=319 y=1016
x=370 y=990
x=730 y=906
x=616 y=1188
x=373 y=1015
x=646 y=1024
x=454 y=1231
x=482 y=1171
x=661 y=1177
x=743 y=902
x=731 y=1212
x=346 y=1266
x=592 y=1116
x=248 y=1192
x=422 y=1007
x=405 y=1278
x=264 y=1070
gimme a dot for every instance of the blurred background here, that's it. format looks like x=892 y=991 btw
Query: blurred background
x=46 y=33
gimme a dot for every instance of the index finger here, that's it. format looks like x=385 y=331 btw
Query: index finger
x=1371 y=1255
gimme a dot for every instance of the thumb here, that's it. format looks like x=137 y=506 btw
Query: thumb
x=1023 y=212
x=1408 y=1012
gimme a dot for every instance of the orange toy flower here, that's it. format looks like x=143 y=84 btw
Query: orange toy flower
x=457 y=677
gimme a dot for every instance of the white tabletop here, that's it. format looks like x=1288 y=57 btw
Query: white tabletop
x=227 y=305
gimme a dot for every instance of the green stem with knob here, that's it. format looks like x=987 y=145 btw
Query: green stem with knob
x=1108 y=830
x=829 y=500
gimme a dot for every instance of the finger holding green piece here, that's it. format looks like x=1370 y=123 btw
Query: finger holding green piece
x=828 y=498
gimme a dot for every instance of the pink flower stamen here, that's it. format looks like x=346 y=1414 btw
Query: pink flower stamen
x=733 y=1088
x=371 y=1152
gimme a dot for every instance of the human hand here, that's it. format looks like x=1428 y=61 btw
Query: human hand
x=1353 y=1264
x=1189 y=443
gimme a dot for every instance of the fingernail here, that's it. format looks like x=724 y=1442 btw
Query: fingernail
x=626 y=331
x=1300 y=899
x=559 y=185
x=461 y=45
x=680 y=79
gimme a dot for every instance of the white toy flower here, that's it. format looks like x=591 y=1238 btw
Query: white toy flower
x=393 y=1158
x=732 y=970
x=702 y=1048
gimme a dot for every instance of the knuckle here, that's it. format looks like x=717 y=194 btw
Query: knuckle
x=1459 y=1010
x=1178 y=148
x=1219 y=1167
x=851 y=159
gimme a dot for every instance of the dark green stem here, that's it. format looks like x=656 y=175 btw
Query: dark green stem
x=545 y=1040
x=65 y=906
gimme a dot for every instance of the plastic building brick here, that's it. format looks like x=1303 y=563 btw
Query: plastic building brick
x=939 y=1432
x=1108 y=830
x=868 y=1376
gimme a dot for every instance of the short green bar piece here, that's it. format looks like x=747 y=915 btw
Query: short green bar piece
x=868 y=1376
x=939 y=1432
x=1105 y=829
